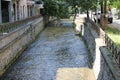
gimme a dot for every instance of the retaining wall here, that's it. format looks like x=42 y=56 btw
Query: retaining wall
x=14 y=43
x=103 y=66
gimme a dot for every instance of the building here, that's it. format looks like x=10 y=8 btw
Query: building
x=5 y=11
x=14 y=10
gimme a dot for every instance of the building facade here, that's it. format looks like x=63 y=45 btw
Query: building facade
x=14 y=10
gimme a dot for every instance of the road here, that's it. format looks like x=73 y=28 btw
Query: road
x=57 y=54
x=116 y=24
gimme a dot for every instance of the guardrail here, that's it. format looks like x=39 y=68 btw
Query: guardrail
x=111 y=46
x=8 y=27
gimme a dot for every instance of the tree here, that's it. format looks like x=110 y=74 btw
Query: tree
x=105 y=6
x=50 y=7
x=85 y=5
x=60 y=8
x=57 y=8
x=103 y=18
x=88 y=5
x=116 y=4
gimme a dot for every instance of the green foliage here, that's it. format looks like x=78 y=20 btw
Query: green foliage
x=50 y=7
x=88 y=4
x=57 y=8
x=83 y=5
x=116 y=4
x=63 y=8
x=114 y=35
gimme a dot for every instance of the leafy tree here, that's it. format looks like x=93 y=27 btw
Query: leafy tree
x=50 y=7
x=62 y=8
x=105 y=6
x=116 y=4
x=88 y=5
x=85 y=5
x=57 y=8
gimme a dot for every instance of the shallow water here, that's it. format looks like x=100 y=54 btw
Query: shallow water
x=58 y=54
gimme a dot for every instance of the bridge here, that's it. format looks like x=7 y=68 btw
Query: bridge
x=30 y=51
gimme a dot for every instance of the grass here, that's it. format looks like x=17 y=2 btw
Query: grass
x=114 y=34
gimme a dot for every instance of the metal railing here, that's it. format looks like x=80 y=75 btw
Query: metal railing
x=8 y=27
x=111 y=46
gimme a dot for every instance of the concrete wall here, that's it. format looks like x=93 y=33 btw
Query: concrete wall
x=109 y=69
x=102 y=65
x=12 y=44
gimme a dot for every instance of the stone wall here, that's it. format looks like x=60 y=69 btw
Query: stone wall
x=109 y=69
x=102 y=65
x=14 y=43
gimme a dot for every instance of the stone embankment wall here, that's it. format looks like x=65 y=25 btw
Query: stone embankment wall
x=102 y=64
x=15 y=42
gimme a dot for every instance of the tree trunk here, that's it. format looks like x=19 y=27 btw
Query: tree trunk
x=102 y=7
x=46 y=19
x=104 y=19
x=119 y=14
x=75 y=14
x=88 y=14
x=105 y=6
x=74 y=17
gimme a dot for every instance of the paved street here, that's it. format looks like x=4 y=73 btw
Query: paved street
x=57 y=54
x=116 y=24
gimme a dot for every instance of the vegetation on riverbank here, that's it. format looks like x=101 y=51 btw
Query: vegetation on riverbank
x=114 y=34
